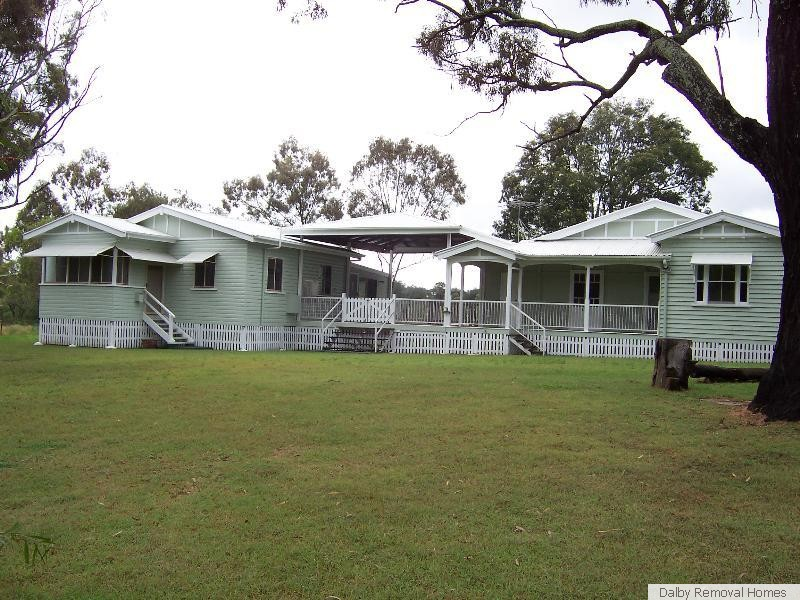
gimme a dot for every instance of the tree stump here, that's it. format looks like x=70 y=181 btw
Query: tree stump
x=671 y=371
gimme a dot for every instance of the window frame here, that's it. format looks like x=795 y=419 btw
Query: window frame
x=594 y=272
x=82 y=270
x=273 y=279
x=739 y=284
x=202 y=268
x=326 y=287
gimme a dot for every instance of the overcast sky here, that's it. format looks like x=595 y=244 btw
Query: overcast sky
x=190 y=94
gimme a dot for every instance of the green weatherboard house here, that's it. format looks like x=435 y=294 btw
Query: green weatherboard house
x=605 y=287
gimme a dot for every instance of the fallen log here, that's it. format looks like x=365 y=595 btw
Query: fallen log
x=715 y=374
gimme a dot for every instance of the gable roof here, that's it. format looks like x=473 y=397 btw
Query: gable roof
x=713 y=219
x=629 y=211
x=246 y=230
x=495 y=246
x=121 y=228
x=251 y=231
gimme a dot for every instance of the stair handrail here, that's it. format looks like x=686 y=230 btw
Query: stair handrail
x=526 y=326
x=161 y=310
x=335 y=316
x=386 y=315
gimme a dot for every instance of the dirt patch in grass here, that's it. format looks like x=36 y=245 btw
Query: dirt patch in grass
x=743 y=416
x=726 y=401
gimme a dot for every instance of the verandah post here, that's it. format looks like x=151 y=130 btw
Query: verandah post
x=586 y=299
x=461 y=296
x=448 y=285
x=509 y=276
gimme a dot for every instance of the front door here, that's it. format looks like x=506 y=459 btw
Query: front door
x=155 y=281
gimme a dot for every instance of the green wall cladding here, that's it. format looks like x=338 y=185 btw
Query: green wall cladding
x=82 y=301
x=758 y=321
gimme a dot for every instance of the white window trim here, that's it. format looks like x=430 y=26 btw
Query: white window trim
x=267 y=289
x=571 y=297
x=706 y=272
x=83 y=283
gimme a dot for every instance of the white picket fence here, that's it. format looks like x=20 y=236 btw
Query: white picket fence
x=611 y=346
x=254 y=337
x=450 y=342
x=101 y=333
x=93 y=333
x=740 y=352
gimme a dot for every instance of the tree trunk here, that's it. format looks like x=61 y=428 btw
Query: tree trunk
x=671 y=371
x=778 y=395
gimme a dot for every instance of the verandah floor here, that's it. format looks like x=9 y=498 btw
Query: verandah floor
x=304 y=475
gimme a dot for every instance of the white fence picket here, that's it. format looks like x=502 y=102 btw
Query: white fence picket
x=100 y=333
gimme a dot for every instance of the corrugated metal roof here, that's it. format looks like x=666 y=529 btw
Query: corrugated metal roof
x=126 y=226
x=377 y=224
x=70 y=249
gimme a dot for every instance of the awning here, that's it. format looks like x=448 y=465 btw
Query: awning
x=148 y=255
x=722 y=259
x=70 y=250
x=198 y=257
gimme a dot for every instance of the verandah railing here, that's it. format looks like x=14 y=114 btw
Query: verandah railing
x=487 y=313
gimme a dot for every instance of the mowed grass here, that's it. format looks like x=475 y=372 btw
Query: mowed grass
x=306 y=475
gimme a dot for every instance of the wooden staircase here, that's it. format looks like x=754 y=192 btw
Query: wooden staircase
x=358 y=339
x=161 y=321
x=525 y=345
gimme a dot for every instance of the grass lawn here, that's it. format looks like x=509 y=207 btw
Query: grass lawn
x=305 y=475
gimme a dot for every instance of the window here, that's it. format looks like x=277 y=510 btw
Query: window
x=204 y=273
x=579 y=287
x=102 y=267
x=79 y=268
x=123 y=266
x=87 y=269
x=722 y=284
x=274 y=274
x=327 y=280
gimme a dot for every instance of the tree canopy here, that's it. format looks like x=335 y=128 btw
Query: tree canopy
x=300 y=188
x=405 y=177
x=38 y=92
x=623 y=155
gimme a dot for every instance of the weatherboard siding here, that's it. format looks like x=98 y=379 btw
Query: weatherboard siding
x=90 y=301
x=230 y=301
x=312 y=271
x=272 y=307
x=758 y=321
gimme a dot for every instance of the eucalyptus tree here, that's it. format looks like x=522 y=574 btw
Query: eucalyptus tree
x=623 y=155
x=38 y=90
x=300 y=188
